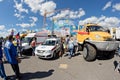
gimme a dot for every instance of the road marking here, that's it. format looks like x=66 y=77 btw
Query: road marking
x=63 y=66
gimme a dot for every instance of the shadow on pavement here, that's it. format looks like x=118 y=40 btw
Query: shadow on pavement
x=24 y=57
x=104 y=57
x=37 y=75
x=76 y=54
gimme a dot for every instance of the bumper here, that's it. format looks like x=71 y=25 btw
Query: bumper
x=44 y=55
x=105 y=45
x=27 y=51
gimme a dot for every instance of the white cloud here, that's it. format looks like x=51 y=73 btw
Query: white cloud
x=4 y=33
x=9 y=30
x=24 y=25
x=81 y=12
x=92 y=19
x=33 y=21
x=116 y=7
x=23 y=30
x=2 y=27
x=112 y=21
x=19 y=9
x=76 y=14
x=101 y=18
x=64 y=22
x=62 y=14
x=19 y=16
x=103 y=21
x=41 y=6
x=108 y=4
x=69 y=14
x=1 y=0
x=35 y=5
x=48 y=7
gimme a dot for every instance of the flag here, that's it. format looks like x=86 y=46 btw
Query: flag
x=17 y=35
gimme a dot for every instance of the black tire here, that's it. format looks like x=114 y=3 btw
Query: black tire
x=54 y=55
x=89 y=52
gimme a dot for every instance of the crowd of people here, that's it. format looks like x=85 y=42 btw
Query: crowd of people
x=69 y=44
x=11 y=51
x=12 y=57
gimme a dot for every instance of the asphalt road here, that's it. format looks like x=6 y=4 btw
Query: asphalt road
x=76 y=68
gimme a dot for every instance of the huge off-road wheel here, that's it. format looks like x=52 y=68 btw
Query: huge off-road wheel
x=89 y=52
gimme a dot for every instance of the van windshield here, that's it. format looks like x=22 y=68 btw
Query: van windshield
x=96 y=28
x=49 y=42
x=27 y=40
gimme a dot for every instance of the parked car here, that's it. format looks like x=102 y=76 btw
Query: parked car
x=49 y=48
x=40 y=37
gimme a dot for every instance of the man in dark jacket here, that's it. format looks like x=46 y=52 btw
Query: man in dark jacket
x=2 y=71
x=12 y=56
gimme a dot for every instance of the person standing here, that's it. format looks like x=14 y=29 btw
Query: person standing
x=33 y=45
x=19 y=43
x=12 y=56
x=61 y=47
x=71 y=48
x=2 y=71
x=75 y=45
x=67 y=39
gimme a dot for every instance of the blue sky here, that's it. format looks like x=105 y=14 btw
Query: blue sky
x=22 y=15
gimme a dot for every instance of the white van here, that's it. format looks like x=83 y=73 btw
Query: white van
x=117 y=34
x=40 y=37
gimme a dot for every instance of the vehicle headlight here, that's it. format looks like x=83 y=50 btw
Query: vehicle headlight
x=97 y=36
